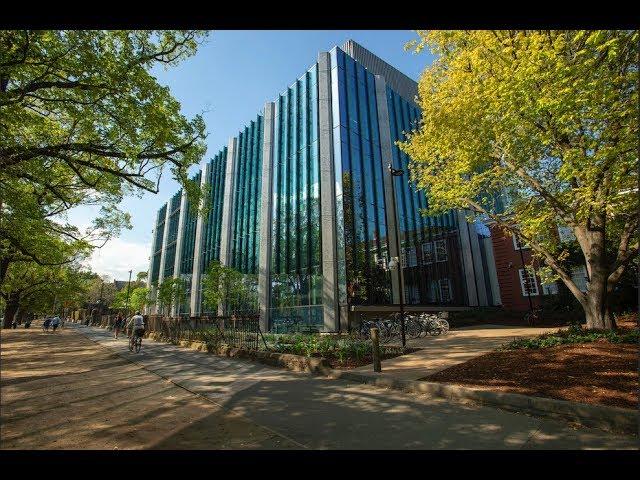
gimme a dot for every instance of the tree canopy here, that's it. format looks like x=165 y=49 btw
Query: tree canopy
x=536 y=129
x=84 y=122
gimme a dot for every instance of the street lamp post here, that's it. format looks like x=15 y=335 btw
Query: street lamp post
x=398 y=173
x=128 y=288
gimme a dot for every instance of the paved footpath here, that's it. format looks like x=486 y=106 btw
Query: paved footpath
x=443 y=351
x=254 y=406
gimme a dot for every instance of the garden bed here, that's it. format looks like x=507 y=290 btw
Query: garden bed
x=598 y=371
x=351 y=363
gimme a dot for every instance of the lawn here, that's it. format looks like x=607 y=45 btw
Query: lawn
x=597 y=368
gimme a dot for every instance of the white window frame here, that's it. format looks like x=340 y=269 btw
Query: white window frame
x=442 y=243
x=534 y=285
x=448 y=283
x=516 y=243
x=412 y=257
x=428 y=253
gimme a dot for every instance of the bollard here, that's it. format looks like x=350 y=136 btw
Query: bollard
x=375 y=337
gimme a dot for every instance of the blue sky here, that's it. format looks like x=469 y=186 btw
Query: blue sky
x=228 y=81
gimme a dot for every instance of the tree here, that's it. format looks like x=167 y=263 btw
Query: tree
x=140 y=298
x=547 y=121
x=84 y=122
x=33 y=288
x=101 y=288
x=171 y=291
x=222 y=286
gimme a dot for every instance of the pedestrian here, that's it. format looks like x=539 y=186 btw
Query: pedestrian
x=47 y=322
x=118 y=325
x=55 y=322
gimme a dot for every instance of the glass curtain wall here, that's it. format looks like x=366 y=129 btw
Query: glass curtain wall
x=361 y=203
x=212 y=226
x=157 y=254
x=245 y=221
x=174 y=217
x=188 y=246
x=430 y=246
x=296 y=269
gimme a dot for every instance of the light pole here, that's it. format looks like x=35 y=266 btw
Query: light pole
x=128 y=288
x=395 y=262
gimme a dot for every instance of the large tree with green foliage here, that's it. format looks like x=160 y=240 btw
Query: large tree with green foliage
x=549 y=121
x=226 y=288
x=35 y=289
x=171 y=291
x=84 y=122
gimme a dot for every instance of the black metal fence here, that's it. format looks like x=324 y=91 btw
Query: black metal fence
x=234 y=331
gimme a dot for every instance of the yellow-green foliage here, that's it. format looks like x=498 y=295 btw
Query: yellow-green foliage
x=549 y=118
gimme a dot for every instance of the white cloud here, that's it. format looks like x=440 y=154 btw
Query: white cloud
x=119 y=256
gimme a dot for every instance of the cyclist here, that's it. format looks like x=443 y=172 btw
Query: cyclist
x=137 y=324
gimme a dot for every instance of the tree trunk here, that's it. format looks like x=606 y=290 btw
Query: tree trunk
x=10 y=311
x=596 y=306
x=4 y=266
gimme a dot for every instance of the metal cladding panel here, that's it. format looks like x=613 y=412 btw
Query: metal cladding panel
x=394 y=78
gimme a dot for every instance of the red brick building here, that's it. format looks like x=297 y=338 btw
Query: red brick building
x=518 y=279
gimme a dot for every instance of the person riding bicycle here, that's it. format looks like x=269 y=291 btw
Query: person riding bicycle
x=137 y=322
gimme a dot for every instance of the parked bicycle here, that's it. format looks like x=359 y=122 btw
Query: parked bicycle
x=416 y=326
x=533 y=317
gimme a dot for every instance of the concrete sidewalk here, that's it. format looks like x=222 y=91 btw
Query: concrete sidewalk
x=325 y=413
x=443 y=351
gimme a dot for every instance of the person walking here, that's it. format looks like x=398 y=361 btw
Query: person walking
x=118 y=325
x=46 y=323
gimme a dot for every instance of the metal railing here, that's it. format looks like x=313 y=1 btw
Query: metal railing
x=234 y=331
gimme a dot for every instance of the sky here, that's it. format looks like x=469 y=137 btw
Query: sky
x=228 y=81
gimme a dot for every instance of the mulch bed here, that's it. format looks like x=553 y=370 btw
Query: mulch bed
x=601 y=373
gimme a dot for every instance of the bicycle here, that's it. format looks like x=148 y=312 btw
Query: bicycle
x=135 y=341
x=533 y=316
x=433 y=325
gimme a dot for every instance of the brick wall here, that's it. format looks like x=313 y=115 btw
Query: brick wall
x=508 y=262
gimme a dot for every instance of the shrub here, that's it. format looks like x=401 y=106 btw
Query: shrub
x=573 y=335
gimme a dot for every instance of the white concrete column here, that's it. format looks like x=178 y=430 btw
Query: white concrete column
x=467 y=258
x=196 y=275
x=332 y=318
x=163 y=255
x=175 y=308
x=148 y=309
x=228 y=206
x=478 y=269
x=264 y=259
x=389 y=199
x=491 y=267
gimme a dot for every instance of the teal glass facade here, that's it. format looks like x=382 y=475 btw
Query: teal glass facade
x=172 y=237
x=296 y=270
x=317 y=145
x=362 y=224
x=245 y=240
x=158 y=245
x=430 y=246
x=212 y=225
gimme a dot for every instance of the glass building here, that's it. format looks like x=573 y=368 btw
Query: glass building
x=303 y=205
